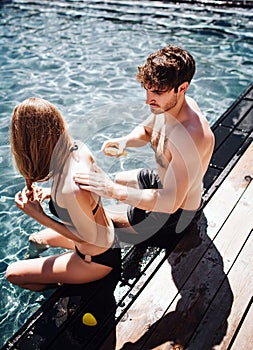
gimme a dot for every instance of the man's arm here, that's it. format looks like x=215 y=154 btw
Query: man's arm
x=138 y=137
x=161 y=200
x=184 y=170
x=180 y=176
x=183 y=177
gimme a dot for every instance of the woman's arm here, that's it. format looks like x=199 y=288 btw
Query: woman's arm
x=34 y=209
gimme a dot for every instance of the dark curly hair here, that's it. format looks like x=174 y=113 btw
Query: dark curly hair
x=167 y=68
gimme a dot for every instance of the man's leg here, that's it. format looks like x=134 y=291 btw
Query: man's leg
x=118 y=212
x=128 y=178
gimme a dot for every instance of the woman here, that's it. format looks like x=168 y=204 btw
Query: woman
x=42 y=149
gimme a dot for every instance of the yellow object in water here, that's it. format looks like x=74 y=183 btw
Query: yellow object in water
x=89 y=320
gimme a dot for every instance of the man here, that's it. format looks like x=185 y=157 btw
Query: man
x=162 y=202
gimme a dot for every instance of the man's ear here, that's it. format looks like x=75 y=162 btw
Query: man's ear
x=183 y=87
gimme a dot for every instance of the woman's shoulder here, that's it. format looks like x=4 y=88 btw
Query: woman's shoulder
x=82 y=151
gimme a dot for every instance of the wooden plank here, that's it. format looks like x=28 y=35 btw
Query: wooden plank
x=185 y=311
x=229 y=192
x=246 y=95
x=228 y=148
x=239 y=223
x=148 y=309
x=183 y=316
x=246 y=124
x=182 y=263
x=215 y=328
x=237 y=114
x=244 y=338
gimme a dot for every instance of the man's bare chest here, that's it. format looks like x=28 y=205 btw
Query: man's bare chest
x=160 y=144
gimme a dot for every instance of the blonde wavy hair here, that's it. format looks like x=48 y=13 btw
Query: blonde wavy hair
x=36 y=128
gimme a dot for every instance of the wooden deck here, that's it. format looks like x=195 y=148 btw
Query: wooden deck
x=201 y=297
x=197 y=297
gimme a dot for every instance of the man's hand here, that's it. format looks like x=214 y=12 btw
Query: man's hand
x=96 y=181
x=115 y=147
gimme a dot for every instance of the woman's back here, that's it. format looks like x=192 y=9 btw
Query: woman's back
x=81 y=210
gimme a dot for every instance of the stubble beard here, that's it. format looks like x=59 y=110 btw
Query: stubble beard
x=171 y=104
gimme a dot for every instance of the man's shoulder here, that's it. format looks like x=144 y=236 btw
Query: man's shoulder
x=200 y=130
x=191 y=102
x=196 y=129
x=196 y=123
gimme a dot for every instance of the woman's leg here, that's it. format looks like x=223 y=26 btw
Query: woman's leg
x=51 y=238
x=41 y=273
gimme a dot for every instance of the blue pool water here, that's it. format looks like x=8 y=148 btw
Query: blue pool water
x=82 y=56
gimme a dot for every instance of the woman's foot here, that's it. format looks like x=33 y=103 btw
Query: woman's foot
x=36 y=245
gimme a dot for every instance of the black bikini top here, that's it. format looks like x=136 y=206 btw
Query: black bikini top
x=62 y=213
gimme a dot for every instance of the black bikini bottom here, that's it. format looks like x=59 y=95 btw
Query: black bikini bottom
x=111 y=257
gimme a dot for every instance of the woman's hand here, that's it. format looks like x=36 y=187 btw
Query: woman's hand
x=30 y=203
x=40 y=193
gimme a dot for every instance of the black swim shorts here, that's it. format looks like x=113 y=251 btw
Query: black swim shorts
x=155 y=226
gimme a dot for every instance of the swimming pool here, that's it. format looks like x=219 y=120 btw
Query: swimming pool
x=82 y=56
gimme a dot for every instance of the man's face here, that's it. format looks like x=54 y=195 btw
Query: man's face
x=161 y=101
